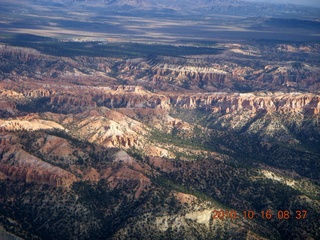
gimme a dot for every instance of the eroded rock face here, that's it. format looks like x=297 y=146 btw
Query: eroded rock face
x=108 y=128
x=44 y=156
x=38 y=93
x=7 y=139
x=233 y=103
x=30 y=124
x=134 y=111
x=17 y=164
x=99 y=148
x=271 y=68
x=227 y=71
x=126 y=177
x=72 y=101
x=132 y=97
x=7 y=108
x=190 y=75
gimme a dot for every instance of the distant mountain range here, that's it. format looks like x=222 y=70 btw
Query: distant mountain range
x=314 y=3
x=229 y=7
x=196 y=3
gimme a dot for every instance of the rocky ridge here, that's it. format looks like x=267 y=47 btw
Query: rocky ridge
x=271 y=68
x=155 y=158
x=17 y=164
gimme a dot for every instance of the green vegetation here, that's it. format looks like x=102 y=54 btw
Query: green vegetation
x=172 y=186
x=228 y=185
x=195 y=142
x=136 y=153
x=35 y=105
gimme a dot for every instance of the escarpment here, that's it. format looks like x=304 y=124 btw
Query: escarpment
x=85 y=98
x=233 y=103
x=136 y=97
x=198 y=76
x=37 y=93
x=231 y=70
x=154 y=147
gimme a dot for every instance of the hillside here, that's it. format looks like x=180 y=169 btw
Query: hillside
x=160 y=146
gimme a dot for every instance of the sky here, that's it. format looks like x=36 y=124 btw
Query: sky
x=300 y=2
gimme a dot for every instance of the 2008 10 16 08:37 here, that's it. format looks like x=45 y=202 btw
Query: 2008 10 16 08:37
x=264 y=214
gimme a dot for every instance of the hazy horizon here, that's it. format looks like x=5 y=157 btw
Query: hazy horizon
x=314 y=3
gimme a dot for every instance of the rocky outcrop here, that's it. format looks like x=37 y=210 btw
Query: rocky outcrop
x=131 y=97
x=194 y=75
x=37 y=93
x=128 y=177
x=72 y=101
x=211 y=73
x=81 y=99
x=7 y=140
x=17 y=164
x=123 y=141
x=32 y=124
x=232 y=103
x=7 y=108
x=271 y=69
x=19 y=53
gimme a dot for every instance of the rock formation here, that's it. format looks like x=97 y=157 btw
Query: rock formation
x=153 y=147
x=20 y=165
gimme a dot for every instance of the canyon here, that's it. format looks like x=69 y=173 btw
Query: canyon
x=134 y=119
x=150 y=147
